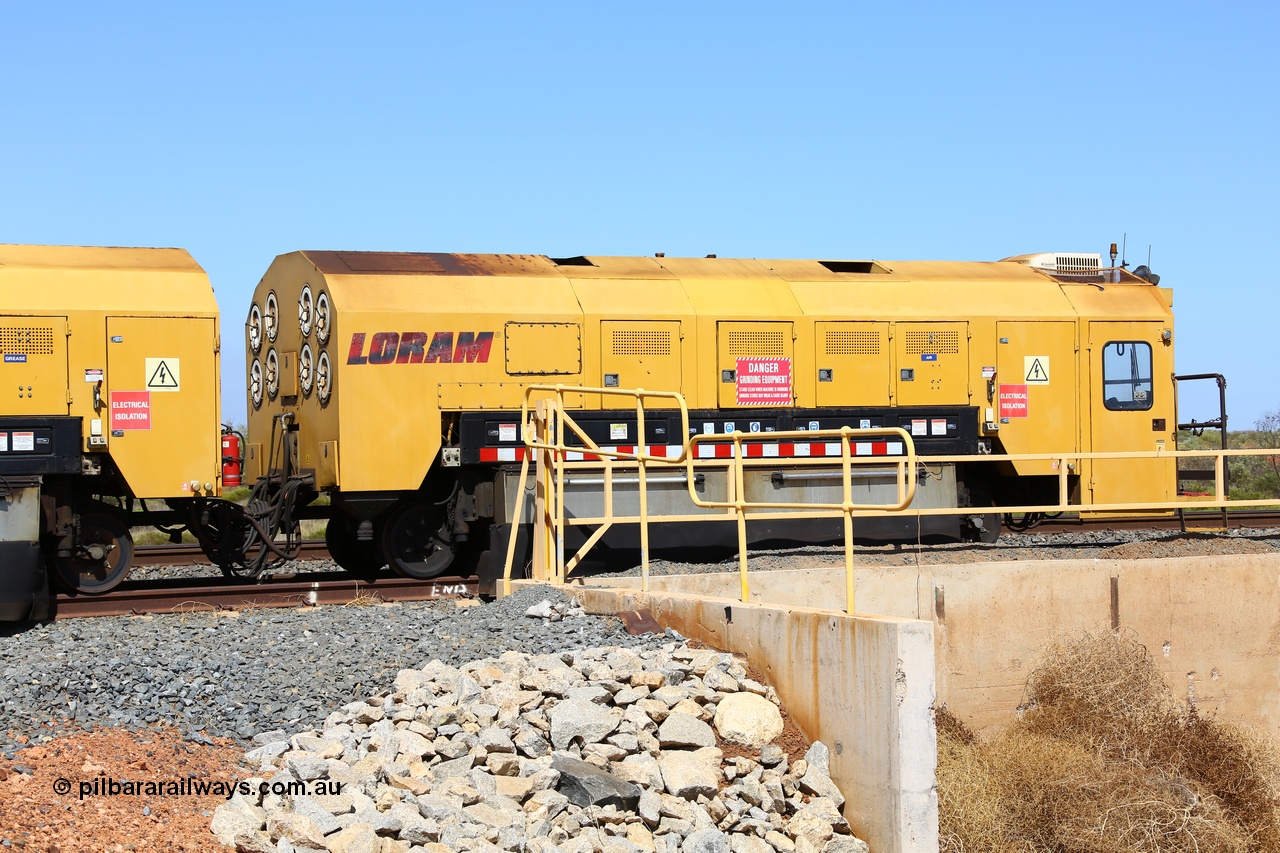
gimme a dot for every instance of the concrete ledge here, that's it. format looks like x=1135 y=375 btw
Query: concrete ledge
x=1212 y=623
x=863 y=685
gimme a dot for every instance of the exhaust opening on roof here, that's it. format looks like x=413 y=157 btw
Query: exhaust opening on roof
x=576 y=261
x=860 y=267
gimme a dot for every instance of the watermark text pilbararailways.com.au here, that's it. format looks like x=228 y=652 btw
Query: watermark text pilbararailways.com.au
x=103 y=786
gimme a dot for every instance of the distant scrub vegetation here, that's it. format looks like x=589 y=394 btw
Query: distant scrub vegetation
x=1250 y=478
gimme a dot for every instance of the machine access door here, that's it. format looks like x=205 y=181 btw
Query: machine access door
x=1131 y=407
x=932 y=364
x=35 y=364
x=1033 y=392
x=639 y=354
x=853 y=363
x=162 y=403
x=755 y=361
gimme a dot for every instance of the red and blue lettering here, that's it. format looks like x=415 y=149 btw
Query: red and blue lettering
x=412 y=348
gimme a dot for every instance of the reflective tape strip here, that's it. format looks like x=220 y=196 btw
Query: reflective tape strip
x=718 y=450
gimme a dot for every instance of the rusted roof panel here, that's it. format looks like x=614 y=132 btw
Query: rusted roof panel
x=429 y=263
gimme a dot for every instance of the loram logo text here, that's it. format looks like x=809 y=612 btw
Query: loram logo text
x=412 y=348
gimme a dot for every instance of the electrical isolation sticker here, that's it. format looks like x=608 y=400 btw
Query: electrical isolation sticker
x=130 y=410
x=506 y=432
x=764 y=382
x=988 y=373
x=24 y=441
x=1013 y=401
x=93 y=374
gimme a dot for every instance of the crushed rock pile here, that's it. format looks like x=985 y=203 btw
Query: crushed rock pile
x=602 y=750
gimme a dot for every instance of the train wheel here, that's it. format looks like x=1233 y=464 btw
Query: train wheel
x=361 y=558
x=104 y=555
x=416 y=541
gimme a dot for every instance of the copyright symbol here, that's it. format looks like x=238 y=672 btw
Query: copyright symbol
x=61 y=786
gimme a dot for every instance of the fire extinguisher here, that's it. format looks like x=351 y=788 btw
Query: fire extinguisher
x=232 y=457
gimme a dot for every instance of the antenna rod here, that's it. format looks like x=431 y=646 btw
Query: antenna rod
x=1124 y=243
x=1148 y=256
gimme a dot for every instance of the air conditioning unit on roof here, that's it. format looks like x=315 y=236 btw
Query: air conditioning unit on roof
x=1060 y=261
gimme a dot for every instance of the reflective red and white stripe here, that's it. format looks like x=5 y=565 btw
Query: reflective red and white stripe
x=718 y=450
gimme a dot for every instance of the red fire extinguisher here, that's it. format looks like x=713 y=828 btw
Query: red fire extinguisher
x=232 y=460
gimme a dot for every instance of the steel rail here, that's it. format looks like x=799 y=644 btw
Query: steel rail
x=281 y=590
x=190 y=554
x=1195 y=521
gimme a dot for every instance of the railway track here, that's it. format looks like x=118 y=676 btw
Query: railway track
x=290 y=589
x=279 y=590
x=188 y=554
x=1195 y=520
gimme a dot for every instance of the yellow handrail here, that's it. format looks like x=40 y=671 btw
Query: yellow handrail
x=906 y=485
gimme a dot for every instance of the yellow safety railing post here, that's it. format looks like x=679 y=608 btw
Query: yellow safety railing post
x=1219 y=477
x=541 y=564
x=846 y=466
x=515 y=521
x=644 y=491
x=739 y=508
x=556 y=460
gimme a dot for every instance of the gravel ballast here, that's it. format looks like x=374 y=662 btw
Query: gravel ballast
x=593 y=750
x=237 y=674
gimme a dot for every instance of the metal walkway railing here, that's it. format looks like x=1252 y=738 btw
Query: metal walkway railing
x=547 y=425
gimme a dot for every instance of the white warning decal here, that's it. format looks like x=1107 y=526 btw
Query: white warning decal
x=164 y=374
x=1037 y=369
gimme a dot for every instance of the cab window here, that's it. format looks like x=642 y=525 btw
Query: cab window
x=1126 y=375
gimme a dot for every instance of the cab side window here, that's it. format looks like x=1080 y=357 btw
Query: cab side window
x=1126 y=375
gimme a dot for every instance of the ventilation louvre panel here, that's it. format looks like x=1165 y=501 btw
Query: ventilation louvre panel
x=26 y=340
x=756 y=343
x=940 y=342
x=637 y=342
x=853 y=343
x=1076 y=263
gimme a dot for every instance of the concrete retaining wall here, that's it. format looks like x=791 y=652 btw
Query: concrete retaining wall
x=863 y=685
x=1212 y=623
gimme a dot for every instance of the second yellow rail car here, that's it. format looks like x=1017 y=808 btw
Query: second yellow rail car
x=393 y=381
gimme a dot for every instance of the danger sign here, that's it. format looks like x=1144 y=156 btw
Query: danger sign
x=130 y=410
x=764 y=381
x=1013 y=401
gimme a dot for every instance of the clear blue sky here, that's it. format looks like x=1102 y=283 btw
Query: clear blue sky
x=829 y=130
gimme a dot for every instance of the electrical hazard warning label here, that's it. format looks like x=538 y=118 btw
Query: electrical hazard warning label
x=163 y=374
x=1013 y=401
x=1037 y=369
x=130 y=410
x=764 y=381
